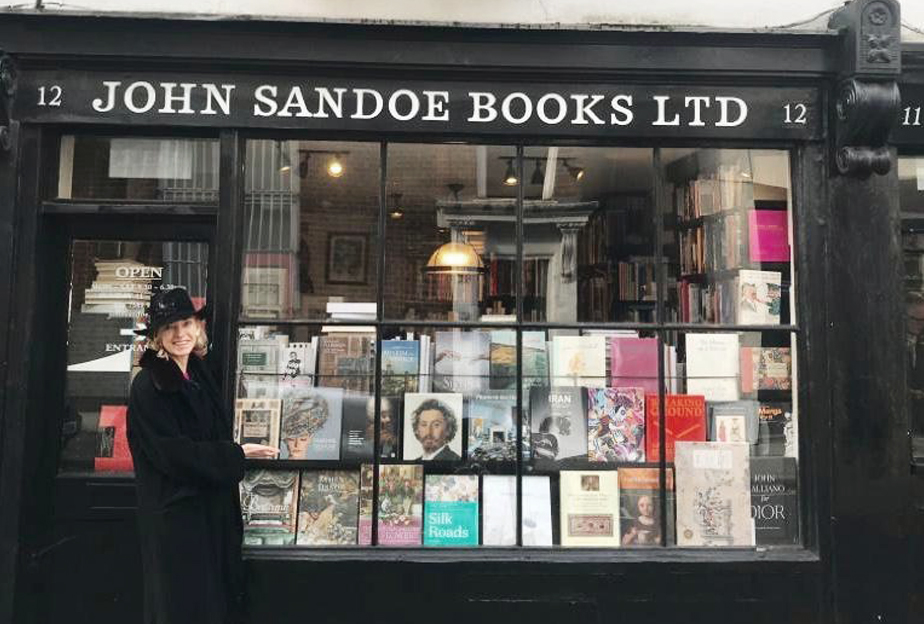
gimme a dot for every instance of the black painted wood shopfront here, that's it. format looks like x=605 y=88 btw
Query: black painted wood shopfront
x=68 y=542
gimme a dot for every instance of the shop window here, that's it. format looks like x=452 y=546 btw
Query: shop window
x=645 y=299
x=911 y=185
x=138 y=169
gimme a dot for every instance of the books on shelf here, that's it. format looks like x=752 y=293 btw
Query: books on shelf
x=492 y=427
x=310 y=424
x=640 y=506
x=462 y=361
x=775 y=500
x=366 y=503
x=503 y=367
x=400 y=505
x=558 y=422
x=298 y=360
x=589 y=508
x=400 y=367
x=328 y=508
x=616 y=424
x=733 y=421
x=684 y=420
x=713 y=494
x=634 y=363
x=579 y=361
x=759 y=297
x=269 y=501
x=433 y=426
x=776 y=433
x=260 y=356
x=451 y=510
x=712 y=365
x=499 y=519
x=347 y=360
x=765 y=368
x=257 y=421
x=768 y=234
x=357 y=431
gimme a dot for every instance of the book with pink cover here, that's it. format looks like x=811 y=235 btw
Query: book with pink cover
x=634 y=363
x=768 y=233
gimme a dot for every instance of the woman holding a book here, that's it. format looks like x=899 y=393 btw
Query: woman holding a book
x=187 y=470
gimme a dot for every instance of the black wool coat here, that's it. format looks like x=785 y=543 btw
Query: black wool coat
x=187 y=470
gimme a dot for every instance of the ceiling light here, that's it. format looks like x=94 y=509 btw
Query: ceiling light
x=396 y=211
x=335 y=167
x=510 y=176
x=576 y=172
x=455 y=258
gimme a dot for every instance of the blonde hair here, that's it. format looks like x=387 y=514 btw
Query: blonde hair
x=199 y=349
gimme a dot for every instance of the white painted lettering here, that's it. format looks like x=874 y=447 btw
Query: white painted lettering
x=724 y=121
x=507 y=108
x=185 y=99
x=393 y=104
x=544 y=114
x=296 y=101
x=622 y=105
x=149 y=102
x=662 y=112
x=104 y=107
x=436 y=106
x=585 y=109
x=697 y=102
x=328 y=101
x=361 y=113
x=483 y=110
x=213 y=96
x=265 y=94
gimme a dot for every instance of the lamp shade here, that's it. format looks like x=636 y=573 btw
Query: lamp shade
x=455 y=258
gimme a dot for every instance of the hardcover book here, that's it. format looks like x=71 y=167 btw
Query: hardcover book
x=713 y=494
x=640 y=506
x=269 y=500
x=112 y=453
x=462 y=362
x=492 y=428
x=400 y=505
x=503 y=359
x=297 y=360
x=259 y=356
x=579 y=361
x=685 y=420
x=535 y=361
x=357 y=433
x=616 y=424
x=347 y=360
x=400 y=367
x=328 y=508
x=734 y=421
x=765 y=368
x=768 y=234
x=451 y=510
x=775 y=500
x=433 y=426
x=775 y=431
x=712 y=365
x=311 y=419
x=589 y=508
x=558 y=418
x=258 y=421
x=366 y=475
x=759 y=297
x=500 y=510
x=634 y=363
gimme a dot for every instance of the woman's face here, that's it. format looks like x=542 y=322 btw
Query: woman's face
x=179 y=338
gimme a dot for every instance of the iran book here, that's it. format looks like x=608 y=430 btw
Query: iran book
x=775 y=500
x=400 y=367
x=400 y=505
x=615 y=424
x=462 y=362
x=640 y=506
x=357 y=431
x=768 y=236
x=328 y=508
x=310 y=424
x=269 y=501
x=712 y=365
x=112 y=452
x=499 y=516
x=589 y=501
x=776 y=435
x=713 y=494
x=347 y=360
x=558 y=422
x=451 y=510
x=579 y=361
x=503 y=359
x=685 y=420
x=759 y=297
x=437 y=435
x=492 y=427
x=366 y=475
x=257 y=421
x=765 y=368
x=634 y=363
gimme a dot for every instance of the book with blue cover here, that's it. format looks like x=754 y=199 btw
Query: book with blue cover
x=451 y=510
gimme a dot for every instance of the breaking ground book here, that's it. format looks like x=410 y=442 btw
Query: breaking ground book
x=328 y=508
x=615 y=424
x=451 y=510
x=640 y=506
x=269 y=501
x=713 y=494
x=400 y=505
x=558 y=421
x=589 y=508
x=775 y=500
x=462 y=362
x=499 y=495
x=310 y=424
x=685 y=420
x=257 y=421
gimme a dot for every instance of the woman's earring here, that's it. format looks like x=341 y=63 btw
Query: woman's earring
x=162 y=354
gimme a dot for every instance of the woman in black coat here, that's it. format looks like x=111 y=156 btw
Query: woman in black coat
x=187 y=470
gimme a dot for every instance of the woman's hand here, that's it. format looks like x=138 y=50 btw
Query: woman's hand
x=259 y=451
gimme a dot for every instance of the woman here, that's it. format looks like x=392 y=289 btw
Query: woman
x=187 y=469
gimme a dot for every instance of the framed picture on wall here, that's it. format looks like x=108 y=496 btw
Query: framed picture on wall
x=347 y=258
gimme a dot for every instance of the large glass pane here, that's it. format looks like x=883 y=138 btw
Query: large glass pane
x=139 y=169
x=728 y=236
x=451 y=233
x=310 y=230
x=111 y=284
x=589 y=246
x=911 y=185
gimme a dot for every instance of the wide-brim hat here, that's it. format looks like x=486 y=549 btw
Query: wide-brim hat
x=169 y=306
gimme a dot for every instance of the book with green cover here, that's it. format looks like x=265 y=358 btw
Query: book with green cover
x=451 y=510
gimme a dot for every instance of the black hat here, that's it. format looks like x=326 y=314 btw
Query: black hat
x=169 y=306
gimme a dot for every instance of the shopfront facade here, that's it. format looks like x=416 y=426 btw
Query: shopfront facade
x=481 y=226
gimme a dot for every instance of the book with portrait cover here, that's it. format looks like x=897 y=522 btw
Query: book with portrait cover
x=328 y=508
x=503 y=359
x=451 y=510
x=685 y=420
x=759 y=297
x=438 y=434
x=640 y=506
x=615 y=424
x=462 y=362
x=499 y=497
x=346 y=360
x=713 y=484
x=492 y=427
x=579 y=361
x=112 y=453
x=765 y=368
x=257 y=421
x=775 y=500
x=269 y=504
x=366 y=475
x=589 y=508
x=400 y=505
x=558 y=422
x=634 y=363
x=310 y=424
x=400 y=367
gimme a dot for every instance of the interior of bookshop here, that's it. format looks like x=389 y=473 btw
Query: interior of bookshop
x=444 y=339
